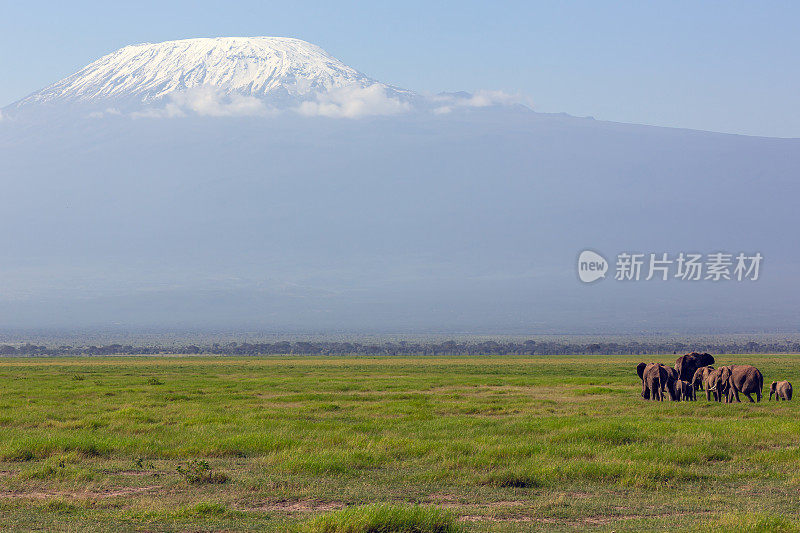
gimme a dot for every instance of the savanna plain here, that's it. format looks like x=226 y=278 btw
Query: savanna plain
x=359 y=444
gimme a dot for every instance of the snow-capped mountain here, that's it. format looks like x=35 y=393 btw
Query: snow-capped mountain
x=453 y=212
x=278 y=69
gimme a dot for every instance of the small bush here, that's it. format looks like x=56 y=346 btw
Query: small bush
x=77 y=377
x=200 y=472
x=154 y=381
x=385 y=519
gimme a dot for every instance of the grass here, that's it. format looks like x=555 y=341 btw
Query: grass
x=295 y=443
x=385 y=519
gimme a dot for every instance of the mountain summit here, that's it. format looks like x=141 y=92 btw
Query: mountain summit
x=273 y=68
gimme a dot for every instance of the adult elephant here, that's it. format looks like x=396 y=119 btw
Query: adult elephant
x=746 y=379
x=655 y=377
x=671 y=385
x=687 y=365
x=717 y=383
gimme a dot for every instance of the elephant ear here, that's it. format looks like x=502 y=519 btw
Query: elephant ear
x=640 y=369
x=706 y=359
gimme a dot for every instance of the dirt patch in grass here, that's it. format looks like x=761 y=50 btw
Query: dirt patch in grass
x=485 y=518
x=299 y=506
x=442 y=498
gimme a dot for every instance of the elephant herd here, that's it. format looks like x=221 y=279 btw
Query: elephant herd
x=694 y=372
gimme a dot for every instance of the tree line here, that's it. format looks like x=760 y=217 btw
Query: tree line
x=529 y=347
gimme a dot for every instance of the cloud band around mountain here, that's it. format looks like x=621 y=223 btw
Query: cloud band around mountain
x=349 y=102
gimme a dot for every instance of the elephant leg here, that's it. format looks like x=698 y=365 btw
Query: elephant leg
x=749 y=397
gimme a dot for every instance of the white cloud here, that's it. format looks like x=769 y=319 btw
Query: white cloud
x=482 y=98
x=205 y=101
x=168 y=111
x=106 y=112
x=353 y=102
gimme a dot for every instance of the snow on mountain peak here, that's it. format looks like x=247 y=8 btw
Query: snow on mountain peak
x=274 y=68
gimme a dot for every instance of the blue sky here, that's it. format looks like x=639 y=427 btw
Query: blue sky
x=723 y=66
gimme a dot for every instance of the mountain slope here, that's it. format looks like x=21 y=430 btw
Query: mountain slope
x=265 y=67
x=460 y=217
x=463 y=222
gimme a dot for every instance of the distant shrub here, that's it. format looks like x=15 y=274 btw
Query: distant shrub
x=77 y=377
x=198 y=472
x=385 y=519
x=154 y=381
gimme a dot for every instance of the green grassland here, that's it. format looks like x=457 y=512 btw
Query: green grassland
x=359 y=443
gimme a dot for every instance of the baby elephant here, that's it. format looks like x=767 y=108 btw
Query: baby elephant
x=781 y=389
x=687 y=392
